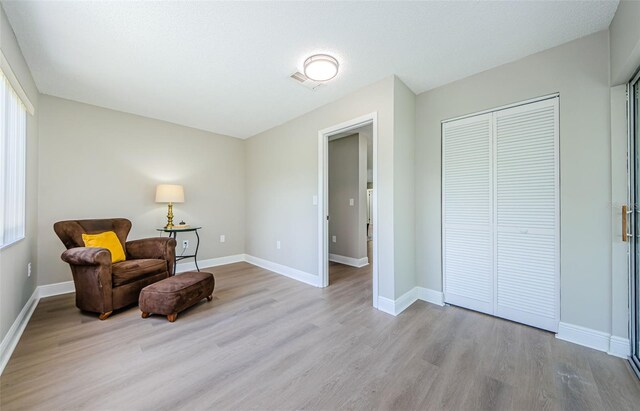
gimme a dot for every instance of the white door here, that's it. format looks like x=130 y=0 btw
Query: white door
x=500 y=213
x=526 y=214
x=467 y=213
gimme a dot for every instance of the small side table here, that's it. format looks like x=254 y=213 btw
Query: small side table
x=173 y=233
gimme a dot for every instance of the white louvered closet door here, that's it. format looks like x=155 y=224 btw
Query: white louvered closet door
x=527 y=214
x=500 y=213
x=467 y=213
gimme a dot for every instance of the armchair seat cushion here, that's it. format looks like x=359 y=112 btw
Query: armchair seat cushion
x=128 y=271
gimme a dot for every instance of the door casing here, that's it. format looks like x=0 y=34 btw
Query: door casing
x=323 y=195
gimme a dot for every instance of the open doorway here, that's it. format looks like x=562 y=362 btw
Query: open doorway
x=348 y=206
x=349 y=171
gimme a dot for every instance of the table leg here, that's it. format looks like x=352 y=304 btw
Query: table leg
x=195 y=255
x=175 y=256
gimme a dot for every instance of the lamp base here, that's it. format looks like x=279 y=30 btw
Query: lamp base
x=169 y=225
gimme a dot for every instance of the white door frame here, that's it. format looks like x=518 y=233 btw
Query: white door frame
x=630 y=226
x=323 y=195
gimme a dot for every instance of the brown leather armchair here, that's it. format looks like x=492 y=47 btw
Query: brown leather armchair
x=101 y=286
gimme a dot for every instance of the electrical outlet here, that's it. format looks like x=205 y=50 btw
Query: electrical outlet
x=29 y=270
x=185 y=243
x=222 y=238
x=333 y=238
x=278 y=244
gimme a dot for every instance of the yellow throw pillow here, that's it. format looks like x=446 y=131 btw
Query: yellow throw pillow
x=108 y=240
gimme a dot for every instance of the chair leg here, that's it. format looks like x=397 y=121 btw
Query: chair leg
x=104 y=316
x=209 y=298
x=172 y=317
x=145 y=315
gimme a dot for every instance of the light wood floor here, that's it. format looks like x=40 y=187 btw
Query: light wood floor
x=270 y=343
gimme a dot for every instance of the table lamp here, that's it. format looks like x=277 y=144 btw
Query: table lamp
x=169 y=193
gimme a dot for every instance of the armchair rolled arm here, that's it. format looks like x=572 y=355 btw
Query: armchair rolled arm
x=87 y=256
x=163 y=248
x=91 y=269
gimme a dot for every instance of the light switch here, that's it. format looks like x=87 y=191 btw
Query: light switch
x=351 y=202
x=315 y=200
x=222 y=238
x=333 y=238
x=278 y=244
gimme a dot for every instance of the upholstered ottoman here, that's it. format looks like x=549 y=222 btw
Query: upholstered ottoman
x=174 y=294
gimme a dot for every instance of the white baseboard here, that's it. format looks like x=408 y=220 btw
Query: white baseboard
x=50 y=290
x=266 y=264
x=10 y=340
x=598 y=340
x=430 y=296
x=293 y=273
x=395 y=307
x=353 y=262
x=587 y=337
x=619 y=347
x=405 y=300
x=211 y=262
x=387 y=305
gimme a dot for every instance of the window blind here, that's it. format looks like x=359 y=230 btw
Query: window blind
x=13 y=140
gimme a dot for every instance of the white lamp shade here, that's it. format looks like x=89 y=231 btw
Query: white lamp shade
x=169 y=193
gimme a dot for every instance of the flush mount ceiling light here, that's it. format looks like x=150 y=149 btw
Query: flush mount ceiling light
x=320 y=67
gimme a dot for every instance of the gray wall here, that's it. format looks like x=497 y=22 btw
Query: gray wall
x=579 y=71
x=111 y=163
x=625 y=41
x=282 y=178
x=15 y=286
x=404 y=126
x=345 y=183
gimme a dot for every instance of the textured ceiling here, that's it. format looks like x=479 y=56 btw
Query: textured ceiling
x=225 y=66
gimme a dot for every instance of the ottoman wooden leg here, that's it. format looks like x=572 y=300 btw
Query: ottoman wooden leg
x=104 y=316
x=145 y=315
x=172 y=317
x=209 y=298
